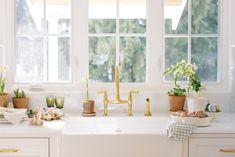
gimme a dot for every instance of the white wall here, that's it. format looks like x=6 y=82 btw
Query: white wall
x=2 y=32
x=232 y=54
x=158 y=100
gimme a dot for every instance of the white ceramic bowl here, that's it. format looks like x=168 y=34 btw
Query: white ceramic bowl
x=192 y=120
x=14 y=116
x=213 y=115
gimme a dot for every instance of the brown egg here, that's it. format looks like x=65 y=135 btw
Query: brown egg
x=183 y=114
x=191 y=114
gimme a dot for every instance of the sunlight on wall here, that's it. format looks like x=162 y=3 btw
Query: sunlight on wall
x=174 y=12
x=99 y=8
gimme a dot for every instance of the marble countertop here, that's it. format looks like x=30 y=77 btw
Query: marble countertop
x=224 y=124
x=156 y=124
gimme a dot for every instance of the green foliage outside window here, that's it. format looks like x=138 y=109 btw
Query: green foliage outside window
x=102 y=50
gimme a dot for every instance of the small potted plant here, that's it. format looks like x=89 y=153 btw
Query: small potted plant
x=3 y=95
x=20 y=100
x=88 y=104
x=177 y=94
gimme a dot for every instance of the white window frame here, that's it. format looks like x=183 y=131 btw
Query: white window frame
x=154 y=51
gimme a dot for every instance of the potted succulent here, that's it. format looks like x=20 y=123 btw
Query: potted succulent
x=177 y=94
x=3 y=95
x=20 y=100
x=88 y=104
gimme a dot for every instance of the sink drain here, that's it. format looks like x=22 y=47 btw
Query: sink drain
x=118 y=130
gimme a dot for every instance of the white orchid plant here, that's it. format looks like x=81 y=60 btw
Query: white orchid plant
x=2 y=79
x=185 y=70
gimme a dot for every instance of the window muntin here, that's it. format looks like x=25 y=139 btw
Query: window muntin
x=117 y=34
x=191 y=33
x=43 y=39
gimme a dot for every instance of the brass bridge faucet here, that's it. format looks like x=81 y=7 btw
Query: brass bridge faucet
x=118 y=100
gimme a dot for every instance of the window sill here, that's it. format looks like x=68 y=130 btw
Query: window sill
x=110 y=87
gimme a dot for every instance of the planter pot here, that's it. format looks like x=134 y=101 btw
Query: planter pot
x=3 y=100
x=176 y=103
x=196 y=104
x=20 y=102
x=88 y=108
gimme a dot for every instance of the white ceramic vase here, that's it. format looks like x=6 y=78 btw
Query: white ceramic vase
x=196 y=102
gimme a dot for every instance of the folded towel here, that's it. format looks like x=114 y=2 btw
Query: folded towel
x=179 y=131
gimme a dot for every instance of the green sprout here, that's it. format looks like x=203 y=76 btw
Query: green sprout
x=19 y=94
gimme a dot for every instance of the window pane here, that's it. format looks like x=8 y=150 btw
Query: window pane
x=176 y=49
x=102 y=58
x=204 y=54
x=58 y=15
x=204 y=16
x=102 y=26
x=132 y=25
x=176 y=17
x=29 y=16
x=30 y=59
x=131 y=19
x=64 y=58
x=43 y=57
x=102 y=9
x=132 y=59
x=58 y=59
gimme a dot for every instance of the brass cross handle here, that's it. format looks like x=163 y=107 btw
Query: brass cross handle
x=8 y=150
x=227 y=150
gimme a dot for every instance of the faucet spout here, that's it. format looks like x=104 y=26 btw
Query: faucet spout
x=117 y=81
x=118 y=100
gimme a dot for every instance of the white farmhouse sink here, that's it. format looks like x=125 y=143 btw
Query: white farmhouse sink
x=117 y=137
x=115 y=125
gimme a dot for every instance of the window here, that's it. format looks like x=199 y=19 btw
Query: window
x=130 y=33
x=43 y=39
x=192 y=33
x=117 y=35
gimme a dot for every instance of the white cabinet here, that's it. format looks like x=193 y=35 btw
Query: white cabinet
x=118 y=146
x=212 y=147
x=24 y=147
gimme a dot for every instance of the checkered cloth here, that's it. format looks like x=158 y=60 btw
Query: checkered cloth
x=179 y=131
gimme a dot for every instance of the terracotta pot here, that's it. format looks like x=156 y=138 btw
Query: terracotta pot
x=176 y=103
x=88 y=107
x=20 y=102
x=3 y=100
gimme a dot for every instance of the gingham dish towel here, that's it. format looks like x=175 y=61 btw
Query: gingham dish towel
x=179 y=131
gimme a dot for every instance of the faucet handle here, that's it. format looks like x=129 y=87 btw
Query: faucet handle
x=133 y=92
x=147 y=111
x=105 y=101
